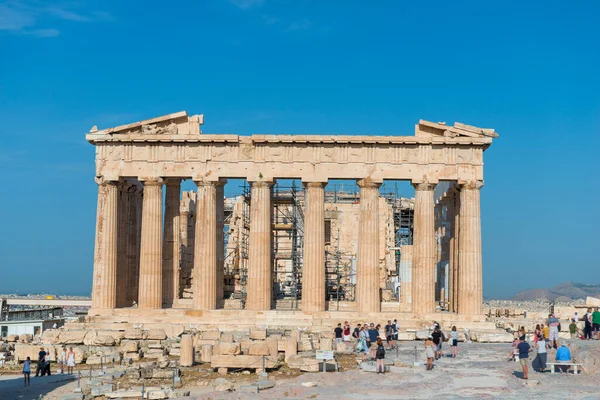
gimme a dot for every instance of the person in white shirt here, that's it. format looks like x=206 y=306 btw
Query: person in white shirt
x=576 y=317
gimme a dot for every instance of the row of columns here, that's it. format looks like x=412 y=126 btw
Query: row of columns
x=159 y=258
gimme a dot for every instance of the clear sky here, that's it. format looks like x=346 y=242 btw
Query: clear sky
x=528 y=69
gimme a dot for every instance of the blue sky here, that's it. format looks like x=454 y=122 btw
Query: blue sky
x=528 y=70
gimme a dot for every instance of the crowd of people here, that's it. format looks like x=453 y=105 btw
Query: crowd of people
x=546 y=338
x=370 y=343
x=66 y=362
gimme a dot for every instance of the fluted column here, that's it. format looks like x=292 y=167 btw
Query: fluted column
x=150 y=287
x=123 y=221
x=170 y=280
x=313 y=268
x=406 y=274
x=452 y=253
x=220 y=211
x=260 y=281
x=368 y=298
x=205 y=248
x=470 y=292
x=105 y=255
x=424 y=250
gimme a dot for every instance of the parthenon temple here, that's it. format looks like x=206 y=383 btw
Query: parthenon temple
x=290 y=240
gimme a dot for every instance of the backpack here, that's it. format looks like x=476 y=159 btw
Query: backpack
x=380 y=352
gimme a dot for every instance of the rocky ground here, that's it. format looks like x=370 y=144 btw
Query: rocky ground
x=481 y=371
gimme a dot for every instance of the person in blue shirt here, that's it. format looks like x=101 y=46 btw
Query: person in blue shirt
x=373 y=335
x=524 y=349
x=563 y=354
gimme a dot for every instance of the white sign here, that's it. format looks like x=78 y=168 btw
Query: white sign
x=324 y=355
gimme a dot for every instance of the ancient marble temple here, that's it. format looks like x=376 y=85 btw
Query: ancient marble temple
x=140 y=167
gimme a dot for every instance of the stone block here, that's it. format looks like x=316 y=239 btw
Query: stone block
x=222 y=371
x=422 y=334
x=124 y=394
x=210 y=335
x=129 y=346
x=22 y=351
x=158 y=373
x=226 y=337
x=134 y=334
x=344 y=347
x=227 y=348
x=407 y=336
x=134 y=356
x=248 y=389
x=206 y=354
x=309 y=364
x=50 y=336
x=492 y=337
x=291 y=348
x=72 y=337
x=222 y=385
x=12 y=338
x=242 y=361
x=26 y=338
x=245 y=345
x=258 y=334
x=371 y=366
x=259 y=349
x=104 y=340
x=101 y=390
x=72 y=396
x=117 y=335
x=93 y=360
x=156 y=394
x=325 y=344
x=265 y=384
x=174 y=331
x=156 y=334
x=133 y=374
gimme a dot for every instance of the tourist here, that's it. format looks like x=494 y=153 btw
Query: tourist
x=514 y=352
x=346 y=334
x=437 y=340
x=546 y=332
x=396 y=329
x=537 y=333
x=47 y=364
x=363 y=344
x=27 y=371
x=380 y=356
x=62 y=360
x=596 y=322
x=454 y=344
x=373 y=335
x=573 y=329
x=587 y=329
x=563 y=355
x=524 y=350
x=576 y=317
x=70 y=360
x=388 y=333
x=553 y=323
x=41 y=363
x=338 y=333
x=539 y=363
x=356 y=333
x=430 y=349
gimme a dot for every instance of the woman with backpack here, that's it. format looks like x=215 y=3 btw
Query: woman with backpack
x=380 y=356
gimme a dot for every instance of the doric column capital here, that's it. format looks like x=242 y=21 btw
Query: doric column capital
x=261 y=184
x=101 y=180
x=470 y=185
x=423 y=186
x=151 y=181
x=209 y=182
x=318 y=185
x=368 y=183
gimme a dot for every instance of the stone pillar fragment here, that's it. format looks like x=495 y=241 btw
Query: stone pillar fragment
x=470 y=291
x=313 y=268
x=186 y=355
x=406 y=274
x=205 y=248
x=260 y=281
x=170 y=280
x=368 y=298
x=150 y=286
x=424 y=250
x=105 y=254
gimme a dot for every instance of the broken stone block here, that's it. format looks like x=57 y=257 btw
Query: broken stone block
x=226 y=337
x=325 y=344
x=265 y=384
x=222 y=371
x=158 y=373
x=258 y=334
x=101 y=390
x=71 y=337
x=156 y=394
x=206 y=354
x=134 y=334
x=128 y=346
x=210 y=335
x=50 y=336
x=248 y=389
x=124 y=394
x=103 y=340
x=227 y=348
x=72 y=396
x=156 y=334
x=303 y=363
x=259 y=349
x=12 y=338
x=222 y=385
x=492 y=337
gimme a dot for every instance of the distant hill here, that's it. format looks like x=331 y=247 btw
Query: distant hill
x=561 y=292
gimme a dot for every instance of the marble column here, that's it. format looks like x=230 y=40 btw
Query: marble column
x=205 y=248
x=150 y=286
x=122 y=265
x=406 y=274
x=260 y=267
x=132 y=246
x=220 y=210
x=452 y=263
x=470 y=277
x=313 y=268
x=105 y=254
x=368 y=298
x=424 y=250
x=170 y=279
